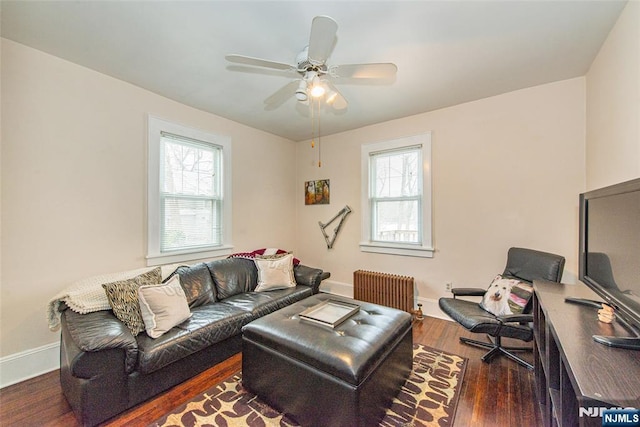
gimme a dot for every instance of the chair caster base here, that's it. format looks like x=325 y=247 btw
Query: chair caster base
x=496 y=348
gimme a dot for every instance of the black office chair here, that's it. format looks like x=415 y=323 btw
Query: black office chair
x=526 y=265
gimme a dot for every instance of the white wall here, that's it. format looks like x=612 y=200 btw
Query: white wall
x=507 y=171
x=613 y=104
x=74 y=184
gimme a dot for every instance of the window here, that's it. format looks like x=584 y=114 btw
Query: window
x=189 y=194
x=396 y=198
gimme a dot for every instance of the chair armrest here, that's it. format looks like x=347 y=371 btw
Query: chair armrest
x=516 y=318
x=468 y=292
x=100 y=331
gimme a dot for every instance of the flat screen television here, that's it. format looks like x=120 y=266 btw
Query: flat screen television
x=610 y=253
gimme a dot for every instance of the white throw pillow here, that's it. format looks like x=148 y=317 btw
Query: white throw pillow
x=163 y=306
x=275 y=273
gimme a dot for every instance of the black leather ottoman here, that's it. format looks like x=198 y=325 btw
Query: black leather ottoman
x=320 y=376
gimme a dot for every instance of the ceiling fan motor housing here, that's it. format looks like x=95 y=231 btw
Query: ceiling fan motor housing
x=305 y=65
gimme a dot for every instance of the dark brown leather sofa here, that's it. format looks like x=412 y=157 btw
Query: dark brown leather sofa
x=105 y=370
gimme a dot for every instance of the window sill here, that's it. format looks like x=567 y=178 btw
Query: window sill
x=397 y=249
x=193 y=255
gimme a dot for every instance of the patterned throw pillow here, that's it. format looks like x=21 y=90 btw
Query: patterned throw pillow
x=506 y=296
x=521 y=293
x=275 y=273
x=123 y=297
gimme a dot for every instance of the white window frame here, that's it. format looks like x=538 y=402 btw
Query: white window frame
x=155 y=256
x=367 y=244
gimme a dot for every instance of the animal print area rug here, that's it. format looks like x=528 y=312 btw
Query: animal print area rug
x=428 y=398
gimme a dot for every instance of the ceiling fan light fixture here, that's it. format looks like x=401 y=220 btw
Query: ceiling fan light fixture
x=317 y=90
x=311 y=64
x=301 y=92
x=331 y=96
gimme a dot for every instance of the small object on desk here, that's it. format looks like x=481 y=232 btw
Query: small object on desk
x=584 y=301
x=606 y=314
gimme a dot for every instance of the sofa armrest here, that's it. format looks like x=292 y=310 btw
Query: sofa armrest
x=96 y=332
x=309 y=276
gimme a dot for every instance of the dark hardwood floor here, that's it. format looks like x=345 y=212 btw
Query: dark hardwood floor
x=501 y=393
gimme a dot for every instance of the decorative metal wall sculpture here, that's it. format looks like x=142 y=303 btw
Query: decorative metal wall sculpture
x=342 y=215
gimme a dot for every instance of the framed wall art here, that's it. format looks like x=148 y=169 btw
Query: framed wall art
x=317 y=192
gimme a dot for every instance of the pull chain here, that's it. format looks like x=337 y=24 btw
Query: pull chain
x=315 y=113
x=319 y=150
x=312 y=124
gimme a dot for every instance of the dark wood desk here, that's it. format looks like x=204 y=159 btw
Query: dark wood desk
x=575 y=376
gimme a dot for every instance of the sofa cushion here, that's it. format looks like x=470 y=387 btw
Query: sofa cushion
x=261 y=303
x=197 y=283
x=233 y=276
x=207 y=325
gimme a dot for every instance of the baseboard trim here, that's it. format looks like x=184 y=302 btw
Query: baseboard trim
x=337 y=288
x=28 y=364
x=430 y=306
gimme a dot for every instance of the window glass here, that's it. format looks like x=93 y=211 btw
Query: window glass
x=396 y=196
x=189 y=193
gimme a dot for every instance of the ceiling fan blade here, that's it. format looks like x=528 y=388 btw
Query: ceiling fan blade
x=248 y=60
x=322 y=39
x=364 y=71
x=334 y=97
x=340 y=103
x=281 y=95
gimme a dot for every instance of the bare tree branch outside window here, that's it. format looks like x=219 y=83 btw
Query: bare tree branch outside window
x=190 y=193
x=396 y=197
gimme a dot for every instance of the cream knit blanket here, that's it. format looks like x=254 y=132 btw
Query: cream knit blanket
x=88 y=295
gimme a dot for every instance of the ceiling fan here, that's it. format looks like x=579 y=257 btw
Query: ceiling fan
x=311 y=65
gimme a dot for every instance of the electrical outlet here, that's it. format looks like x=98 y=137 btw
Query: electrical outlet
x=448 y=286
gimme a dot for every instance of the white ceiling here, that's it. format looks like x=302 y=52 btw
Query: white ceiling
x=447 y=52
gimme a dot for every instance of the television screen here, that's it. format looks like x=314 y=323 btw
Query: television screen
x=610 y=246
